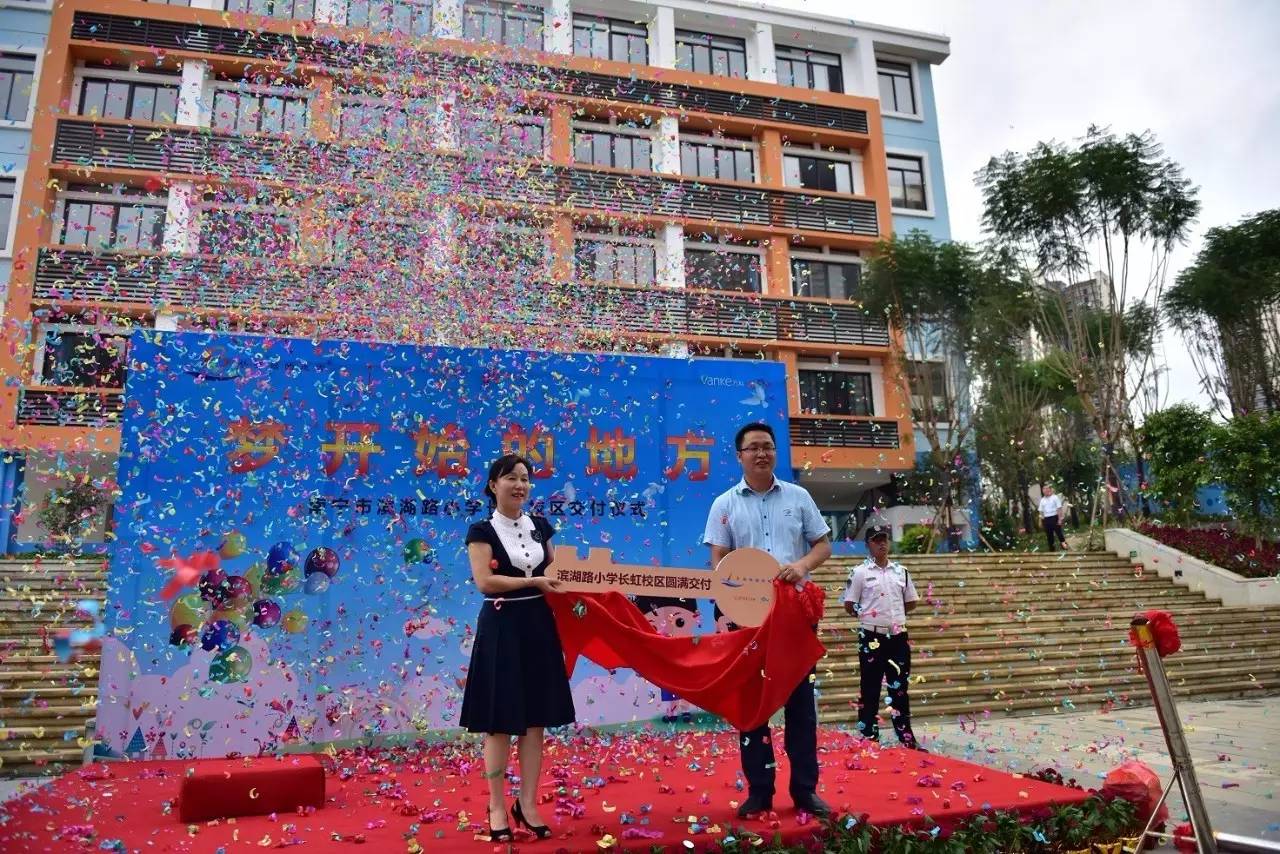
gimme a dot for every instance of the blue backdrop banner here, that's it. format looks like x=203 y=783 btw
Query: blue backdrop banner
x=335 y=482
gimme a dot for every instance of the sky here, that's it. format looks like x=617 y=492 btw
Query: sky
x=1203 y=76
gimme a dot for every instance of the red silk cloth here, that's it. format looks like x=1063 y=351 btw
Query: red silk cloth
x=1164 y=633
x=744 y=676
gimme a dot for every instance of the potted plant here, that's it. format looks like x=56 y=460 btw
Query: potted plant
x=68 y=511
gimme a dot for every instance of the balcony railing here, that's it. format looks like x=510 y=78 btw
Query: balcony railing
x=193 y=282
x=291 y=49
x=843 y=433
x=70 y=408
x=87 y=143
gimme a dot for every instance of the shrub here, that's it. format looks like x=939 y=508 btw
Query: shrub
x=1220 y=547
x=915 y=540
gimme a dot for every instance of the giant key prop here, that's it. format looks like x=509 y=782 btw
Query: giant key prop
x=741 y=584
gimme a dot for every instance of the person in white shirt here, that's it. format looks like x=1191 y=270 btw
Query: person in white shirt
x=1051 y=508
x=880 y=594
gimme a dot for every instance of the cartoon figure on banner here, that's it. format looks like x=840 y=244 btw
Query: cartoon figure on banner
x=672 y=617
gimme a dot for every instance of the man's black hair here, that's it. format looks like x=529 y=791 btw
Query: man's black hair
x=754 y=426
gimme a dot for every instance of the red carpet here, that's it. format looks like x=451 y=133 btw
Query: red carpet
x=641 y=789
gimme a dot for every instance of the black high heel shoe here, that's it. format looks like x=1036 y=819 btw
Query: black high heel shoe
x=503 y=835
x=541 y=831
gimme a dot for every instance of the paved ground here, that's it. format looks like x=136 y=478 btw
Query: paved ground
x=1235 y=746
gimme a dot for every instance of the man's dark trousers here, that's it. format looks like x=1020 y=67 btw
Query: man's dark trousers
x=800 y=738
x=1053 y=528
x=888 y=658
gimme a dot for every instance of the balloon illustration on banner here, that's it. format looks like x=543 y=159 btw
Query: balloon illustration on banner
x=224 y=606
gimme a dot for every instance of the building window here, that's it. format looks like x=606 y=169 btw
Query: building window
x=8 y=223
x=503 y=248
x=906 y=182
x=407 y=17
x=809 y=69
x=610 y=38
x=817 y=173
x=86 y=217
x=716 y=267
x=615 y=145
x=826 y=279
x=706 y=53
x=835 y=392
x=83 y=356
x=503 y=23
x=928 y=384
x=17 y=73
x=484 y=130
x=253 y=230
x=298 y=10
x=259 y=109
x=725 y=158
x=148 y=98
x=599 y=258
x=897 y=89
x=400 y=122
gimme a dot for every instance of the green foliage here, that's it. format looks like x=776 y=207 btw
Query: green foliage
x=915 y=540
x=1175 y=441
x=67 y=510
x=1225 y=304
x=1058 y=200
x=1245 y=456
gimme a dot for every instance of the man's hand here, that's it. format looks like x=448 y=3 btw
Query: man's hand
x=791 y=573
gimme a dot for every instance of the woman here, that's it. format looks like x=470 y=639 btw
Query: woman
x=516 y=684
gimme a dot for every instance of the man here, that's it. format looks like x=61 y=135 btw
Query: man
x=1051 y=509
x=763 y=512
x=880 y=593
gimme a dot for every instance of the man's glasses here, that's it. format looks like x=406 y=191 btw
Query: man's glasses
x=758 y=449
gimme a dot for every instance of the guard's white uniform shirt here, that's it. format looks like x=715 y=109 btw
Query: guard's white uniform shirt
x=879 y=596
x=1050 y=505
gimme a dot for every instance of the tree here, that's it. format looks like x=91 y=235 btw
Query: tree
x=1175 y=440
x=1227 y=305
x=1081 y=217
x=67 y=510
x=956 y=310
x=1244 y=454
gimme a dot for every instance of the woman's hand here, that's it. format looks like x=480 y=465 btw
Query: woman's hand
x=547 y=585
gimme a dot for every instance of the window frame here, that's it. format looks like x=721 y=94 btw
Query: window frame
x=113 y=198
x=815 y=256
x=613 y=236
x=293 y=5
x=85 y=73
x=611 y=22
x=18 y=176
x=503 y=6
x=712 y=247
x=344 y=99
x=512 y=118
x=711 y=47
x=613 y=128
x=36 y=66
x=872 y=368
x=913 y=71
x=783 y=52
x=925 y=175
x=203 y=207
x=256 y=89
x=857 y=180
x=751 y=146
x=33 y=6
x=38 y=369
x=942 y=365
x=528 y=230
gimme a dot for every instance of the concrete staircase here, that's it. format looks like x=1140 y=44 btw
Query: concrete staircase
x=1030 y=633
x=45 y=706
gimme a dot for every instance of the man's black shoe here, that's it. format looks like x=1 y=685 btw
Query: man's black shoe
x=754 y=805
x=813 y=805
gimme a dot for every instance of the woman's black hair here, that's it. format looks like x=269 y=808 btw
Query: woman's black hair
x=503 y=465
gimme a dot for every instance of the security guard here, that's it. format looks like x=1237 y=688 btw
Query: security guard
x=880 y=594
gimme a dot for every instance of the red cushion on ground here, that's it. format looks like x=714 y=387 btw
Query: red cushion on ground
x=226 y=788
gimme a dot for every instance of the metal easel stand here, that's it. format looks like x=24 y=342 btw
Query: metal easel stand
x=1184 y=773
